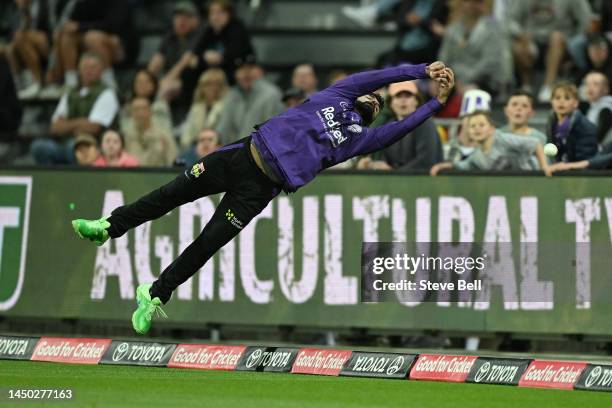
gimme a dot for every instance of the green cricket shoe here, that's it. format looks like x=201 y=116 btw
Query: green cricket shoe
x=93 y=230
x=147 y=307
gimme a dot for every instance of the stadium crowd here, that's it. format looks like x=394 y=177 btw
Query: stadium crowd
x=204 y=86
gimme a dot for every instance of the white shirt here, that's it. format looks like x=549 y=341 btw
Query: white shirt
x=103 y=111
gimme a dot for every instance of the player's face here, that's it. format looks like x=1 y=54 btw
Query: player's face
x=480 y=128
x=372 y=102
x=563 y=103
x=111 y=144
x=518 y=110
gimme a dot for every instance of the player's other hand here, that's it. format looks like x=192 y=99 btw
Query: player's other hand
x=435 y=70
x=447 y=82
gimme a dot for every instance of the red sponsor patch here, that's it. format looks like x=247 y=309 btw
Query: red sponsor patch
x=320 y=361
x=552 y=374
x=206 y=357
x=442 y=367
x=66 y=350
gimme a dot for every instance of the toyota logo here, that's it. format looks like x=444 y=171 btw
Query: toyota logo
x=593 y=377
x=482 y=372
x=344 y=105
x=121 y=351
x=254 y=358
x=395 y=365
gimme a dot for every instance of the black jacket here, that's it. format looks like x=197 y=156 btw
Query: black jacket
x=233 y=41
x=418 y=150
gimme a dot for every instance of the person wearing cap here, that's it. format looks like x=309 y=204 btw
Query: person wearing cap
x=283 y=154
x=293 y=97
x=419 y=149
x=86 y=149
x=252 y=100
x=170 y=56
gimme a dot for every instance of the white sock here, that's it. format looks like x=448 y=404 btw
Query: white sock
x=71 y=78
x=108 y=78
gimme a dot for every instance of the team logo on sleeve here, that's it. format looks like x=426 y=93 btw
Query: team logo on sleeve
x=355 y=128
x=197 y=169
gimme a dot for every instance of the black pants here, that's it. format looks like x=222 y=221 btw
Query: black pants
x=230 y=169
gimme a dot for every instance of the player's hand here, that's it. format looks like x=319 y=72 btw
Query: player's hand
x=447 y=82
x=561 y=166
x=435 y=70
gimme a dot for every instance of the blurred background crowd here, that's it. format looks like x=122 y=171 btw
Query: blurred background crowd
x=161 y=83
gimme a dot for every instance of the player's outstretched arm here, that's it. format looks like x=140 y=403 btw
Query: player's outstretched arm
x=364 y=83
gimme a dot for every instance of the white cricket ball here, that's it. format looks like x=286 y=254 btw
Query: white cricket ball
x=550 y=149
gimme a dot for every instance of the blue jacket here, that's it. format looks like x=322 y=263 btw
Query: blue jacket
x=325 y=130
x=581 y=142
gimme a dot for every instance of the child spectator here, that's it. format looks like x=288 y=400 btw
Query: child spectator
x=597 y=91
x=496 y=150
x=519 y=110
x=86 y=150
x=292 y=97
x=206 y=142
x=572 y=133
x=113 y=153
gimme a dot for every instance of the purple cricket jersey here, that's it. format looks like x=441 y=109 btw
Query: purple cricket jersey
x=325 y=130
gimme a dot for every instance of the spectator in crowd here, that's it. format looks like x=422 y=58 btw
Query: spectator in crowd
x=113 y=152
x=207 y=141
x=572 y=133
x=462 y=146
x=474 y=46
x=599 y=57
x=88 y=108
x=248 y=103
x=149 y=141
x=293 y=97
x=518 y=111
x=102 y=27
x=174 y=55
x=305 y=78
x=30 y=43
x=86 y=150
x=420 y=29
x=10 y=108
x=207 y=107
x=418 y=150
x=223 y=42
x=546 y=26
x=145 y=85
x=496 y=150
x=597 y=91
x=601 y=161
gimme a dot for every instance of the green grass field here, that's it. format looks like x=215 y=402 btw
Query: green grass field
x=124 y=386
